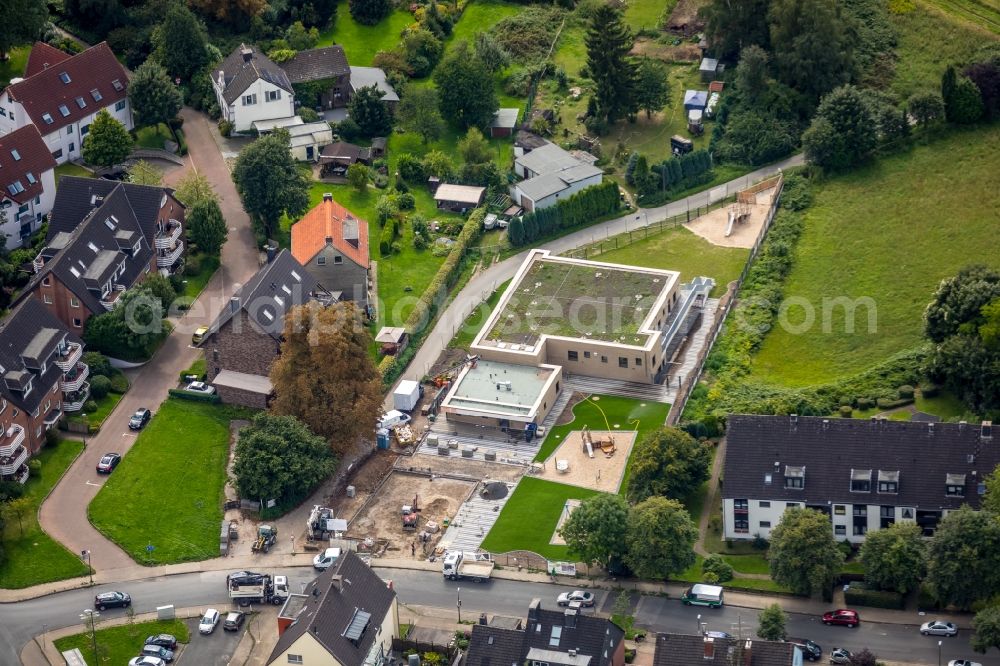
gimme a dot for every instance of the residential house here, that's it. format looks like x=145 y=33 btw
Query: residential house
x=43 y=376
x=554 y=637
x=245 y=339
x=504 y=122
x=250 y=87
x=458 y=198
x=27 y=184
x=685 y=650
x=347 y=616
x=60 y=94
x=326 y=66
x=550 y=174
x=865 y=475
x=332 y=244
x=104 y=237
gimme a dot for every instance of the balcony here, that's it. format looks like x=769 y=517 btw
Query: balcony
x=69 y=358
x=170 y=258
x=110 y=300
x=21 y=475
x=10 y=464
x=13 y=438
x=73 y=402
x=168 y=238
x=75 y=378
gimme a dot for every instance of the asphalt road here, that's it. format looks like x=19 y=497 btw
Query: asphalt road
x=20 y=622
x=215 y=649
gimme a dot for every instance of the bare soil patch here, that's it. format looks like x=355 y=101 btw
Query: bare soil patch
x=651 y=48
x=567 y=412
x=684 y=19
x=476 y=469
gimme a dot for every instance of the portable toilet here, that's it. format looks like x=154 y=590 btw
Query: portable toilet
x=382 y=438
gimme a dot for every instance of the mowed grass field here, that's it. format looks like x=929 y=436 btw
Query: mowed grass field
x=679 y=249
x=362 y=42
x=984 y=13
x=888 y=232
x=168 y=491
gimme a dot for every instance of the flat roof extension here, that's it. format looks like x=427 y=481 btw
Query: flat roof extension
x=500 y=388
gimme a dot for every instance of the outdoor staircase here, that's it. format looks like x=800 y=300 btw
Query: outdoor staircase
x=557 y=409
x=634 y=390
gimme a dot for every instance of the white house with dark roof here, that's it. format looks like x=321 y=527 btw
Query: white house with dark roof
x=60 y=95
x=550 y=174
x=27 y=183
x=250 y=87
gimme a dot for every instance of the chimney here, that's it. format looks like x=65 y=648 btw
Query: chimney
x=234 y=303
x=709 y=645
x=328 y=196
x=533 y=608
x=246 y=52
x=930 y=429
x=748 y=653
x=793 y=419
x=569 y=618
x=337 y=583
x=272 y=250
x=826 y=423
x=329 y=240
x=987 y=430
x=571 y=652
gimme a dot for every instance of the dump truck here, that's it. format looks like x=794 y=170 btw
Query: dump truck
x=267 y=536
x=476 y=567
x=247 y=587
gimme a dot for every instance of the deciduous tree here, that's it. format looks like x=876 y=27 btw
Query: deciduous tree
x=206 y=227
x=895 y=558
x=300 y=38
x=278 y=458
x=811 y=45
x=986 y=624
x=803 y=554
x=596 y=530
x=490 y=52
x=422 y=51
x=107 y=143
x=144 y=173
x=160 y=288
x=966 y=102
x=130 y=329
x=324 y=355
x=926 y=107
x=154 y=97
x=369 y=12
x=418 y=112
x=959 y=301
x=771 y=623
x=16 y=510
x=270 y=182
x=358 y=176
x=370 y=113
x=659 y=539
x=22 y=22
x=652 y=91
x=964 y=557
x=668 y=462
x=180 y=42
x=465 y=88
x=194 y=187
x=609 y=41
x=844 y=131
x=733 y=25
x=751 y=74
x=474 y=148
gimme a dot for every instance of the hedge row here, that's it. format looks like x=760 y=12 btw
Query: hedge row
x=194 y=396
x=583 y=207
x=856 y=595
x=388 y=236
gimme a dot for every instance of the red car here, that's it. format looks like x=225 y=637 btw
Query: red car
x=843 y=616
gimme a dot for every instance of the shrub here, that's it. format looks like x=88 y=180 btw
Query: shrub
x=926 y=599
x=380 y=180
x=905 y=391
x=929 y=390
x=192 y=265
x=98 y=364
x=857 y=595
x=405 y=201
x=889 y=403
x=308 y=114
x=90 y=406
x=865 y=403
x=715 y=565
x=410 y=167
x=99 y=386
x=225 y=128
x=759 y=542
x=387 y=237
x=846 y=411
x=119 y=383
x=35 y=466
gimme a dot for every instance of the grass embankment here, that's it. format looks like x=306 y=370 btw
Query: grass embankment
x=477 y=319
x=33 y=557
x=70 y=169
x=117 y=645
x=168 y=491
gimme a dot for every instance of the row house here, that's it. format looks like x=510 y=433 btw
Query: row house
x=718 y=650
x=42 y=377
x=104 y=237
x=61 y=94
x=27 y=184
x=864 y=475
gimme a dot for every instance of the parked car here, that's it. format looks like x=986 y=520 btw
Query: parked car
x=938 y=628
x=199 y=335
x=209 y=621
x=580 y=596
x=200 y=387
x=234 y=620
x=718 y=634
x=326 y=559
x=112 y=600
x=840 y=656
x=393 y=418
x=157 y=651
x=108 y=463
x=146 y=661
x=810 y=650
x=963 y=662
x=168 y=641
x=844 y=616
x=139 y=419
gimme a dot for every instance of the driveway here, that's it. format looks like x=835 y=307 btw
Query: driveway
x=64 y=514
x=215 y=649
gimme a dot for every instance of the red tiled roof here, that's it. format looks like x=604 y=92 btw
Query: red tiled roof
x=35 y=159
x=324 y=221
x=44 y=92
x=42 y=57
x=716 y=86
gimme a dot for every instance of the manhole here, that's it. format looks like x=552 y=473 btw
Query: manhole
x=493 y=490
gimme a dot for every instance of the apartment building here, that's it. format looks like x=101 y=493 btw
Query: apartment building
x=27 y=184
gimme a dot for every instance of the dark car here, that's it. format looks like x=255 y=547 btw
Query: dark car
x=234 y=620
x=843 y=616
x=112 y=600
x=139 y=419
x=108 y=463
x=163 y=640
x=810 y=651
x=159 y=651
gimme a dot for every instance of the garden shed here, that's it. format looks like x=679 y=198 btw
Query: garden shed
x=708 y=69
x=504 y=122
x=695 y=100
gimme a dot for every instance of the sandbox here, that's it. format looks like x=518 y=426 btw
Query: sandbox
x=712 y=226
x=602 y=472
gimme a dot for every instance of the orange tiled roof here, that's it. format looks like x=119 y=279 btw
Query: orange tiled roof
x=326 y=221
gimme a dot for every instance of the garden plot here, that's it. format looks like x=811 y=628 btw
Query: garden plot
x=601 y=472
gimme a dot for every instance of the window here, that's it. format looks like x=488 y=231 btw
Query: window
x=56 y=155
x=860 y=529
x=47 y=299
x=840 y=530
x=77 y=323
x=31 y=178
x=764 y=505
x=888 y=482
x=741 y=505
x=638 y=362
x=839 y=510
x=741 y=525
x=604 y=359
x=791 y=505
x=46 y=280
x=16 y=155
x=272 y=95
x=64 y=77
x=795 y=477
x=860 y=510
x=861 y=480
x=15 y=188
x=64 y=110
x=954 y=485
x=80 y=102
x=72 y=147
x=338 y=259
x=250 y=100
x=96 y=94
x=321 y=261
x=120 y=106
x=295 y=659
x=47 y=118
x=586 y=354
x=117 y=85
x=84 y=129
x=765 y=524
x=573 y=356
x=555 y=636
x=955 y=491
x=622 y=362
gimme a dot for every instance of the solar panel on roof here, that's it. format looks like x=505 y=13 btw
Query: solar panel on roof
x=356 y=628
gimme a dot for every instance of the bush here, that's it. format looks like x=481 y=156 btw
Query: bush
x=858 y=595
x=846 y=411
x=119 y=383
x=308 y=114
x=90 y=406
x=225 y=128
x=35 y=466
x=905 y=391
x=926 y=599
x=715 y=565
x=195 y=396
x=405 y=201
x=410 y=167
x=929 y=390
x=865 y=403
x=98 y=364
x=582 y=207
x=192 y=265
x=99 y=386
x=387 y=237
x=889 y=403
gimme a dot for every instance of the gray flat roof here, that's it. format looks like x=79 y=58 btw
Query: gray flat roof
x=364 y=77
x=547 y=159
x=485 y=387
x=505 y=118
x=244 y=382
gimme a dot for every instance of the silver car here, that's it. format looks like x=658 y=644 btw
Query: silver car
x=580 y=596
x=938 y=628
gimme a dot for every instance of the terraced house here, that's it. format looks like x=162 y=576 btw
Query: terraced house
x=864 y=475
x=27 y=184
x=60 y=94
x=104 y=237
x=43 y=376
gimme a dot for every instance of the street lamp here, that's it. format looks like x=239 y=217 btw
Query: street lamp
x=90 y=618
x=939 y=653
x=699 y=624
x=458 y=591
x=85 y=555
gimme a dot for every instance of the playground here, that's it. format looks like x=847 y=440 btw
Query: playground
x=739 y=223
x=599 y=466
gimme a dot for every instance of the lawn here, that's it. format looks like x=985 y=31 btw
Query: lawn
x=929 y=40
x=194 y=284
x=889 y=232
x=479 y=17
x=34 y=557
x=984 y=13
x=104 y=407
x=152 y=137
x=679 y=249
x=646 y=14
x=70 y=169
x=117 y=645
x=477 y=319
x=362 y=42
x=530 y=516
x=14 y=66
x=168 y=491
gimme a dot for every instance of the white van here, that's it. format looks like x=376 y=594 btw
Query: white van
x=703 y=595
x=393 y=418
x=326 y=559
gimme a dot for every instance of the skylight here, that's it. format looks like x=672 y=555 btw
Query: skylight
x=80 y=102
x=109 y=224
x=63 y=109
x=117 y=85
x=15 y=187
x=296 y=276
x=96 y=94
x=47 y=118
x=64 y=77
x=31 y=178
x=16 y=155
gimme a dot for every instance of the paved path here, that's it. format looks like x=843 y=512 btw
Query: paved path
x=64 y=514
x=485 y=282
x=713 y=488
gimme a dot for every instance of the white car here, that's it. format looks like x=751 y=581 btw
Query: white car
x=326 y=559
x=579 y=596
x=146 y=661
x=200 y=387
x=938 y=628
x=209 y=621
x=963 y=662
x=393 y=418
